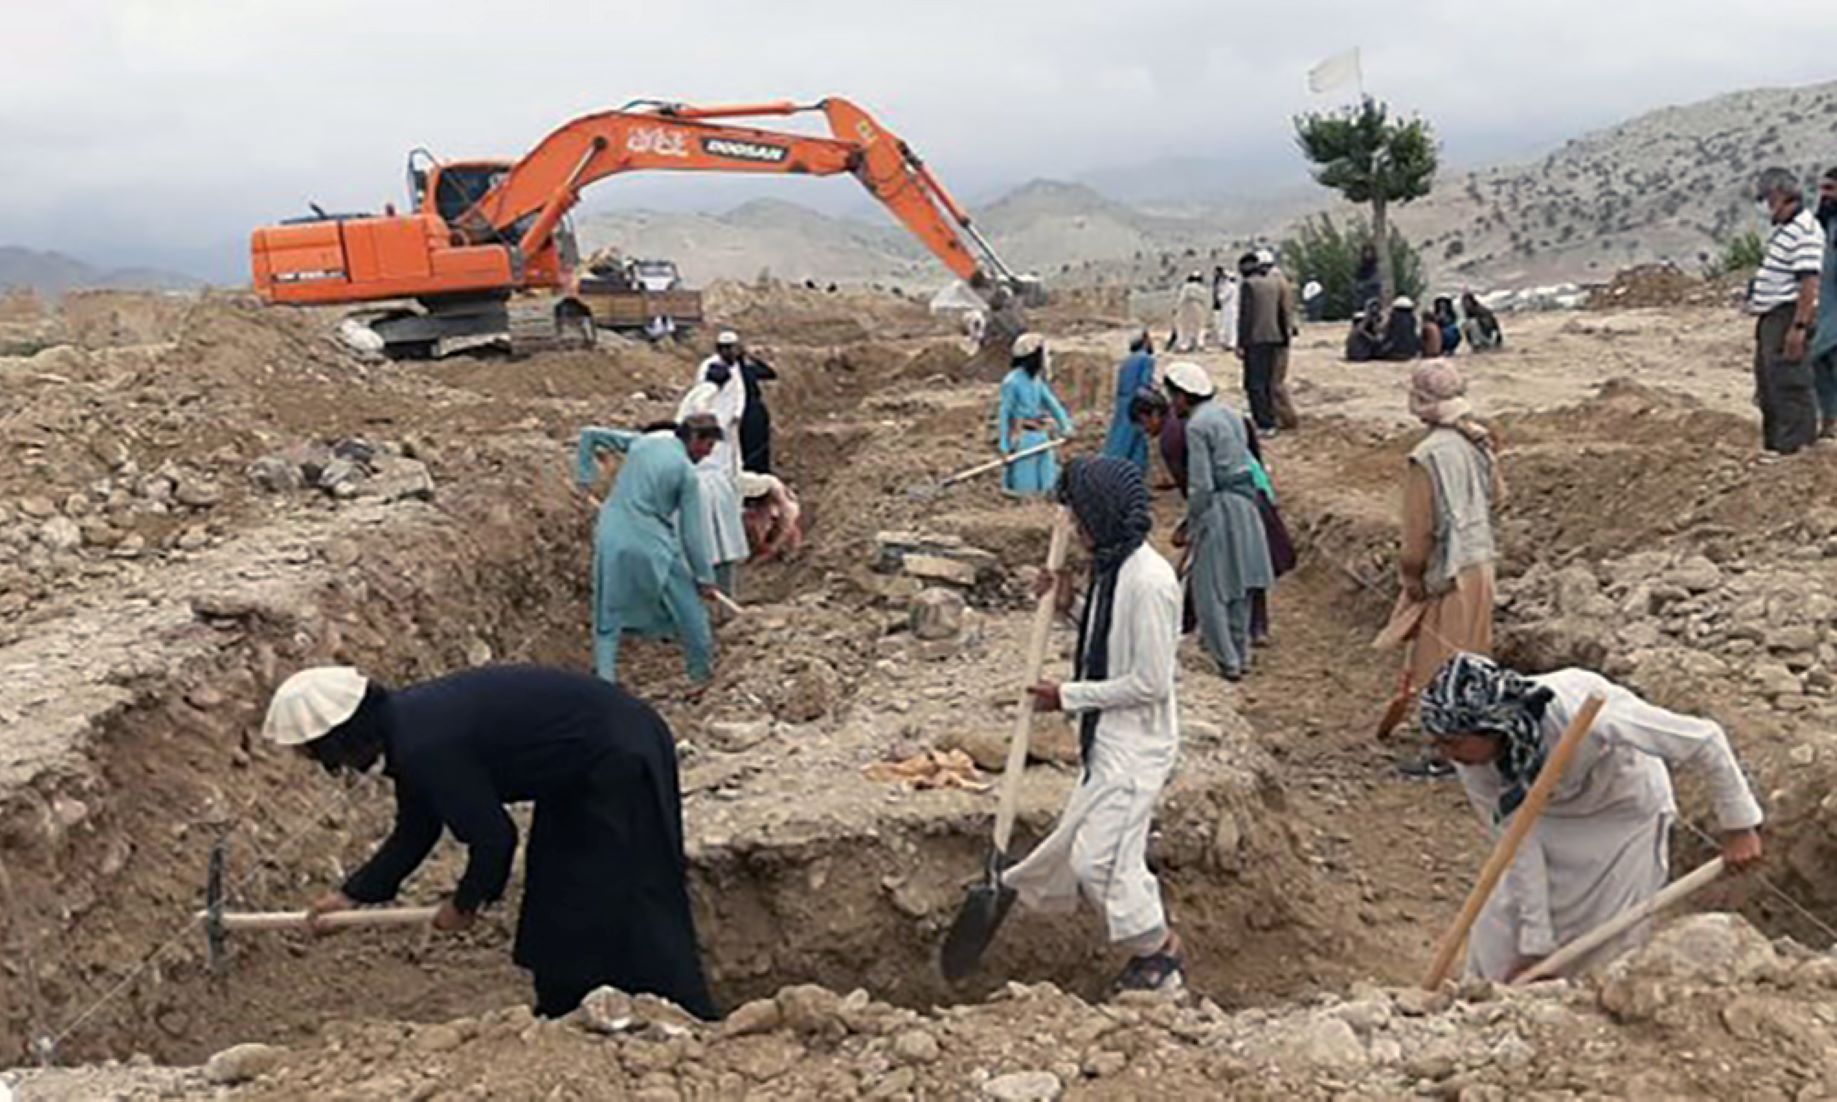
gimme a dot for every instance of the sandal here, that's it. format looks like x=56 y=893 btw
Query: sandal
x=1162 y=973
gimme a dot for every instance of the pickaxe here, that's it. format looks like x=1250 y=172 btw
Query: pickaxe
x=218 y=922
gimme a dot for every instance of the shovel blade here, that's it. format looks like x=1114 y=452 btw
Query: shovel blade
x=982 y=913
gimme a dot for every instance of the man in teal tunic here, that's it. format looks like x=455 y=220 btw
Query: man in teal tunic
x=1028 y=407
x=651 y=565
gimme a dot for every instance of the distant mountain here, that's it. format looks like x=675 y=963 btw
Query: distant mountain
x=1671 y=185
x=52 y=273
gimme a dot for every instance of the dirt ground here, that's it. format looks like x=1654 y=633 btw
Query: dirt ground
x=158 y=578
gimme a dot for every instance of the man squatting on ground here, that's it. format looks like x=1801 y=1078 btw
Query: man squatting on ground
x=605 y=894
x=1128 y=727
x=1602 y=844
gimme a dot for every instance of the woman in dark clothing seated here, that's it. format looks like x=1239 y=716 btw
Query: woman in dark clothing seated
x=1402 y=335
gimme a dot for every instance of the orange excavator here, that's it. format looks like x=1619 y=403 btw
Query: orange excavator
x=488 y=251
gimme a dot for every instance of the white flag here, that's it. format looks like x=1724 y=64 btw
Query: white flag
x=1335 y=71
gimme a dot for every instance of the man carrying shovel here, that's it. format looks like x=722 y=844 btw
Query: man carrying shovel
x=604 y=897
x=1601 y=844
x=1123 y=695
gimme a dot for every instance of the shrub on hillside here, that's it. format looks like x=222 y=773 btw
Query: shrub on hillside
x=1321 y=250
x=1741 y=253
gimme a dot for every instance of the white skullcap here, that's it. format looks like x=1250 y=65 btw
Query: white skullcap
x=754 y=484
x=727 y=336
x=1027 y=344
x=312 y=702
x=700 y=399
x=1192 y=379
x=1264 y=256
x=1402 y=302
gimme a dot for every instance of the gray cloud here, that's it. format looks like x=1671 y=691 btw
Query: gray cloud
x=162 y=130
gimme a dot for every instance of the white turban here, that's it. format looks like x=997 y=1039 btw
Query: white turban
x=1190 y=378
x=700 y=399
x=312 y=702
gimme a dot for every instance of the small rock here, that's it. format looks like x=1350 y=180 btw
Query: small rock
x=61 y=534
x=735 y=736
x=1024 y=1086
x=1326 y=1043
x=241 y=1063
x=936 y=568
x=1103 y=1064
x=78 y=505
x=38 y=508
x=193 y=538
x=439 y=1038
x=988 y=749
x=398 y=479
x=343 y=552
x=808 y=1008
x=131 y=546
x=1696 y=574
x=478 y=652
x=197 y=493
x=915 y=1046
x=605 y=1010
x=937 y=613
x=337 y=472
x=111 y=452
x=99 y=533
x=276 y=474
x=758 y=1016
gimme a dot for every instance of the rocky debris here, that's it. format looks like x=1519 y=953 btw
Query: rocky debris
x=61 y=534
x=937 y=614
x=352 y=467
x=933 y=557
x=1694 y=952
x=241 y=1063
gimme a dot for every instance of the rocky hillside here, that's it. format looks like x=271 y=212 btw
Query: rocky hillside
x=1672 y=185
x=53 y=273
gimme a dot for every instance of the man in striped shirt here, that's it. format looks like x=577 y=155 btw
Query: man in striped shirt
x=1824 y=337
x=1784 y=299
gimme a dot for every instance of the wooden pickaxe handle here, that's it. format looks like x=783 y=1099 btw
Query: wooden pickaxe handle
x=297 y=920
x=997 y=464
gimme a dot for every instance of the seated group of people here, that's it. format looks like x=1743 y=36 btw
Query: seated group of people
x=1399 y=335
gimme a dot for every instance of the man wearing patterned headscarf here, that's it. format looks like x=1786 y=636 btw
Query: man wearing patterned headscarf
x=1601 y=845
x=1123 y=695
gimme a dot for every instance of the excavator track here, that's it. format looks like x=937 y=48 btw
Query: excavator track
x=544 y=324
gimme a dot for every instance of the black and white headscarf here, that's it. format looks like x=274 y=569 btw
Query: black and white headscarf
x=1111 y=502
x=1475 y=695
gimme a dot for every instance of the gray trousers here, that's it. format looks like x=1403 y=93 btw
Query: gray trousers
x=1225 y=632
x=1783 y=389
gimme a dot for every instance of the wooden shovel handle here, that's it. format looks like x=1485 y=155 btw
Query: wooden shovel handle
x=1036 y=660
x=331 y=920
x=1507 y=848
x=996 y=464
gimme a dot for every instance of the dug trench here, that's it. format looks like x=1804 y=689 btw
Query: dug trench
x=1294 y=859
x=802 y=869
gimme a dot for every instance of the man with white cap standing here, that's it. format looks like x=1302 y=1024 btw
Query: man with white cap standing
x=605 y=899
x=755 y=417
x=720 y=391
x=1230 y=556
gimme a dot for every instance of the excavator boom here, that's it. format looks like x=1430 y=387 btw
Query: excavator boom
x=506 y=240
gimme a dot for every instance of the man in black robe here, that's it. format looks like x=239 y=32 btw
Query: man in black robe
x=605 y=895
x=756 y=418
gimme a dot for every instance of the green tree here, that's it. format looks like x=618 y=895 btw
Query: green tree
x=1321 y=250
x=1373 y=159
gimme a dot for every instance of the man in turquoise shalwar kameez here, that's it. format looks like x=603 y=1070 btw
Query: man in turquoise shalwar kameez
x=1127 y=440
x=1028 y=405
x=651 y=562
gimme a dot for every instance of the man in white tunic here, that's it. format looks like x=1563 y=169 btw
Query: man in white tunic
x=1123 y=695
x=721 y=395
x=1602 y=843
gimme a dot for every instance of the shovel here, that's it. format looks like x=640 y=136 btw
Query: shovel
x=989 y=900
x=927 y=490
x=1397 y=708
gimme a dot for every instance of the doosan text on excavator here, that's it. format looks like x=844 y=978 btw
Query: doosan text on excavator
x=487 y=253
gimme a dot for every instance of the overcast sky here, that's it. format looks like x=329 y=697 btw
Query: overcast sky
x=160 y=131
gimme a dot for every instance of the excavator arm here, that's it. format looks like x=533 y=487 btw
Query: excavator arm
x=546 y=183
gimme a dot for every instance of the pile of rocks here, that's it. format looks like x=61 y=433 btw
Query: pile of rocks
x=1671 y=619
x=349 y=468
